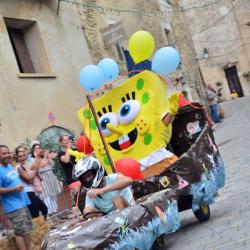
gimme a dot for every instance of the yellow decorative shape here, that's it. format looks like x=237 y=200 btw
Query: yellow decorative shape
x=174 y=103
x=71 y=245
x=125 y=139
x=164 y=181
x=142 y=125
x=78 y=155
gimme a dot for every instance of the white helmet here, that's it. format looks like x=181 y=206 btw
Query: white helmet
x=86 y=164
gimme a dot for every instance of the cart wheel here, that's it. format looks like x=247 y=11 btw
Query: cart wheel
x=203 y=214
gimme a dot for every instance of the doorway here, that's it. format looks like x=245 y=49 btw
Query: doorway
x=233 y=80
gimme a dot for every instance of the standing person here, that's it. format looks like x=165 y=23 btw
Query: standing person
x=67 y=161
x=50 y=184
x=219 y=94
x=212 y=102
x=14 y=200
x=28 y=173
x=37 y=151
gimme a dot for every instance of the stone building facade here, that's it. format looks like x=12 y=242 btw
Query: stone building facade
x=193 y=82
x=220 y=31
x=159 y=17
x=41 y=54
x=39 y=78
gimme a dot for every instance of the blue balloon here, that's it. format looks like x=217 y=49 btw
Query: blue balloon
x=109 y=68
x=165 y=60
x=91 y=78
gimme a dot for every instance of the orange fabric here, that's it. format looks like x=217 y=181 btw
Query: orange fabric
x=73 y=185
x=183 y=101
x=159 y=167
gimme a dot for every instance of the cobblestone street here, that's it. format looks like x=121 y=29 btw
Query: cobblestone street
x=229 y=225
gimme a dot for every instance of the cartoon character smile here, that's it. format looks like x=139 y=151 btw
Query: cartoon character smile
x=130 y=118
x=125 y=141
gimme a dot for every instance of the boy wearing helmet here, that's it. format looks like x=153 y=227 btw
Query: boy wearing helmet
x=104 y=193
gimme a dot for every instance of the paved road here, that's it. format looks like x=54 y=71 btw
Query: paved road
x=229 y=225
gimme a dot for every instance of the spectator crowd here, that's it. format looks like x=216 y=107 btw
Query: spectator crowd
x=29 y=186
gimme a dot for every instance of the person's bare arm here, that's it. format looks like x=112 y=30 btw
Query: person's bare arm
x=122 y=182
x=167 y=119
x=89 y=210
x=65 y=158
x=27 y=177
x=36 y=163
x=4 y=191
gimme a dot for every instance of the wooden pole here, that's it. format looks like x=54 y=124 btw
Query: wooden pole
x=100 y=132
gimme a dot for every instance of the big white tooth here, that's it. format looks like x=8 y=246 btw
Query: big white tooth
x=123 y=139
x=120 y=140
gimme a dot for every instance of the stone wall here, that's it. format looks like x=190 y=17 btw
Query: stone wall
x=26 y=99
x=185 y=45
x=94 y=21
x=220 y=27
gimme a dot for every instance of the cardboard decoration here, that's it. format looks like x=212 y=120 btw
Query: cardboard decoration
x=135 y=110
x=158 y=204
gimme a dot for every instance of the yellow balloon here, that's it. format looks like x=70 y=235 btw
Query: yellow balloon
x=141 y=46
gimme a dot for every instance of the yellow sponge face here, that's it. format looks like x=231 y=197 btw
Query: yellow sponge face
x=130 y=117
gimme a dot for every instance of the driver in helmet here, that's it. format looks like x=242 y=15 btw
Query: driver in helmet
x=104 y=193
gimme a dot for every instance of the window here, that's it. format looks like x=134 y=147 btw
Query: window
x=27 y=45
x=168 y=37
x=119 y=50
x=119 y=45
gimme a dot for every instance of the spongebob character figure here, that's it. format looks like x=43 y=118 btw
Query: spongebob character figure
x=132 y=117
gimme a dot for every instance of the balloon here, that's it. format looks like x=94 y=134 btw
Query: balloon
x=165 y=60
x=83 y=145
x=109 y=68
x=141 y=46
x=129 y=167
x=91 y=78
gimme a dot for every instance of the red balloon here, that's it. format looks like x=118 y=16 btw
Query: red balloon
x=83 y=145
x=129 y=167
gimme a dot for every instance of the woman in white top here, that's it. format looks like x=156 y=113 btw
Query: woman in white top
x=28 y=173
x=50 y=184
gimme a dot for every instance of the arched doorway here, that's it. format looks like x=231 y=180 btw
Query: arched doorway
x=49 y=137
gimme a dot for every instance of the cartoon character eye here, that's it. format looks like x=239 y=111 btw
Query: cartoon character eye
x=128 y=111
x=105 y=119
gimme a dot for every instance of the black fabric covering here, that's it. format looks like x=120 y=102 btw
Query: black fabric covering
x=181 y=140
